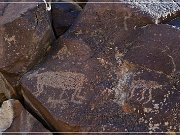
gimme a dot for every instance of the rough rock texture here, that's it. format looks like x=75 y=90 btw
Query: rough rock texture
x=108 y=79
x=113 y=70
x=157 y=9
x=153 y=86
x=14 y=118
x=25 y=35
x=66 y=14
x=6 y=115
x=6 y=90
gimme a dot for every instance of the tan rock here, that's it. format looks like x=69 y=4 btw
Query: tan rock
x=6 y=115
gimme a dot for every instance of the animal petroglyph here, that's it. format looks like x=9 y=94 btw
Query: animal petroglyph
x=126 y=83
x=54 y=102
x=144 y=86
x=61 y=80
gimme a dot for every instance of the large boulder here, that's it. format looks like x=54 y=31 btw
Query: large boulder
x=25 y=35
x=109 y=72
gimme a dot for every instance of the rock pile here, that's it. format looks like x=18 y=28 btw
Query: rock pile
x=107 y=67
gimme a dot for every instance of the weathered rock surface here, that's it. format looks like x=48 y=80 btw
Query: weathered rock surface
x=107 y=81
x=159 y=10
x=63 y=16
x=14 y=118
x=6 y=115
x=154 y=93
x=25 y=35
x=107 y=74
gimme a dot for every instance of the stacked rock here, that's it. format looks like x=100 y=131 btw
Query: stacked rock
x=112 y=66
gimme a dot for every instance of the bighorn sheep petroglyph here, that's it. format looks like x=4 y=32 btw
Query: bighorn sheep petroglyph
x=61 y=80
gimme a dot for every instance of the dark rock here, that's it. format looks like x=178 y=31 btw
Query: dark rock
x=85 y=83
x=114 y=21
x=25 y=35
x=154 y=93
x=81 y=3
x=63 y=16
x=6 y=90
x=96 y=80
x=157 y=51
x=14 y=118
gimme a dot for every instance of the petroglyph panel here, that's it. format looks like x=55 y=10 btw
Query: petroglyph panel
x=124 y=70
x=64 y=81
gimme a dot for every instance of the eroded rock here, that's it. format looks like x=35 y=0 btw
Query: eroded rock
x=25 y=35
x=90 y=84
x=14 y=118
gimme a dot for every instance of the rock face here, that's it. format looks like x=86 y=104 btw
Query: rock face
x=63 y=16
x=25 y=35
x=114 y=68
x=108 y=76
x=14 y=118
x=153 y=86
